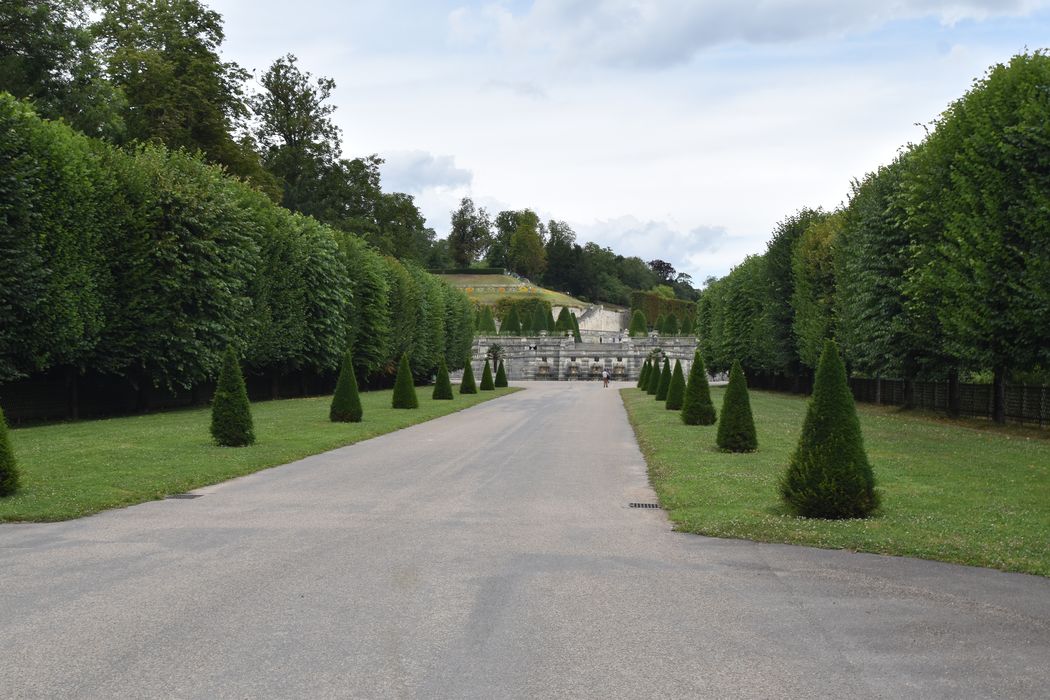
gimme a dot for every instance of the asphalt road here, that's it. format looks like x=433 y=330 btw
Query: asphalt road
x=488 y=554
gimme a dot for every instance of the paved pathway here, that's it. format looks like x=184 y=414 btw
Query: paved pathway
x=488 y=554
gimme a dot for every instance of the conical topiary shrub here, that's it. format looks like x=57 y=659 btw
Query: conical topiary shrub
x=638 y=327
x=829 y=475
x=697 y=408
x=511 y=324
x=501 y=376
x=468 y=385
x=231 y=414
x=486 y=378
x=671 y=325
x=676 y=390
x=539 y=319
x=8 y=466
x=552 y=323
x=736 y=427
x=346 y=402
x=576 y=330
x=665 y=381
x=404 y=386
x=652 y=383
x=442 y=385
x=564 y=323
x=643 y=374
x=486 y=323
x=687 y=325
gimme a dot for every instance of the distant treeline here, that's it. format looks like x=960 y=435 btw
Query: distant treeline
x=937 y=266
x=147 y=263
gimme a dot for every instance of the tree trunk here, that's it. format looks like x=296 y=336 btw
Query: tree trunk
x=909 y=392
x=999 y=395
x=72 y=394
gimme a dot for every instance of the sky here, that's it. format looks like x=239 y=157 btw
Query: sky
x=682 y=130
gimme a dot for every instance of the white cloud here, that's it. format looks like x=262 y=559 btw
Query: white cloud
x=659 y=34
x=413 y=172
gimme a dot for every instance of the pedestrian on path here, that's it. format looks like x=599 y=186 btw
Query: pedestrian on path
x=605 y=379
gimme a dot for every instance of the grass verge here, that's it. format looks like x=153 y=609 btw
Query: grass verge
x=74 y=469
x=949 y=492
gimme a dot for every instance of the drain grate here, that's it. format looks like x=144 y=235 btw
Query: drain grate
x=182 y=496
x=643 y=505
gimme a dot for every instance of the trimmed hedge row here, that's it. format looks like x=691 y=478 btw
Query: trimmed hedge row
x=148 y=264
x=653 y=306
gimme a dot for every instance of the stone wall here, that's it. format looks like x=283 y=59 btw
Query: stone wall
x=549 y=358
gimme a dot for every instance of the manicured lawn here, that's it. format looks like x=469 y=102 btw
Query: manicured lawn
x=953 y=492
x=488 y=296
x=74 y=469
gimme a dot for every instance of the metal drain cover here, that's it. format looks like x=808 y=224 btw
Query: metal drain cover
x=182 y=496
x=643 y=505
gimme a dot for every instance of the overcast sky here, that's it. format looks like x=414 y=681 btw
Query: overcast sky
x=675 y=129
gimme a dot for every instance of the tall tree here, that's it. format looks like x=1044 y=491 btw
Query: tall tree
x=813 y=276
x=526 y=254
x=470 y=233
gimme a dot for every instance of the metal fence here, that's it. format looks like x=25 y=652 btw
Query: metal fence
x=1027 y=404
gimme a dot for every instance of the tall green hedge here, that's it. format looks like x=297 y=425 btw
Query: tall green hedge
x=148 y=263
x=653 y=306
x=829 y=475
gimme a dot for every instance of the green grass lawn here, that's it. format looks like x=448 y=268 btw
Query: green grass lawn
x=490 y=296
x=74 y=469
x=965 y=493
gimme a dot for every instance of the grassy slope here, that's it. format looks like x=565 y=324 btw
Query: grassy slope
x=492 y=296
x=74 y=469
x=949 y=491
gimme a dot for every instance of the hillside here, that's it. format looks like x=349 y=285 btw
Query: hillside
x=488 y=289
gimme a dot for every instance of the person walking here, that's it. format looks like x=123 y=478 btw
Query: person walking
x=605 y=379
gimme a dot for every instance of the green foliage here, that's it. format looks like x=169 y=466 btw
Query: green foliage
x=564 y=323
x=486 y=377
x=813 y=276
x=576 y=329
x=736 y=428
x=829 y=475
x=664 y=384
x=525 y=252
x=654 y=305
x=687 y=325
x=511 y=324
x=231 y=416
x=501 y=376
x=467 y=385
x=663 y=290
x=661 y=324
x=676 y=390
x=644 y=374
x=539 y=319
x=404 y=386
x=638 y=327
x=9 y=476
x=442 y=386
x=346 y=402
x=671 y=325
x=652 y=383
x=470 y=234
x=486 y=323
x=697 y=408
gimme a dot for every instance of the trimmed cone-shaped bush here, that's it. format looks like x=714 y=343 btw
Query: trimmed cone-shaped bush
x=829 y=475
x=736 y=428
x=697 y=408
x=511 y=323
x=501 y=376
x=665 y=381
x=486 y=323
x=404 y=387
x=638 y=327
x=552 y=323
x=687 y=325
x=346 y=403
x=442 y=386
x=468 y=385
x=8 y=466
x=643 y=374
x=652 y=383
x=231 y=414
x=576 y=330
x=564 y=323
x=539 y=319
x=676 y=391
x=671 y=325
x=486 y=378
